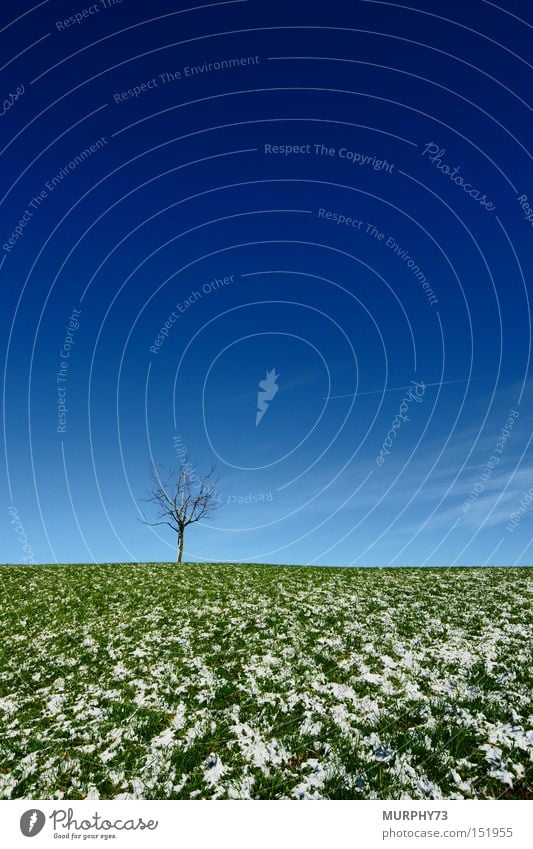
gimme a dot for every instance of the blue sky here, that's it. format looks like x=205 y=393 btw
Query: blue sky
x=300 y=205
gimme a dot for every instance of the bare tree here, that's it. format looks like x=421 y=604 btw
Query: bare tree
x=182 y=498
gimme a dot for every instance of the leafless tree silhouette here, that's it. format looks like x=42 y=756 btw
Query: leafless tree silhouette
x=182 y=498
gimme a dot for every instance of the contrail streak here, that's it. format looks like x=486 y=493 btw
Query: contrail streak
x=397 y=389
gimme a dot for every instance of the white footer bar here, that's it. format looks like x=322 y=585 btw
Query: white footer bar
x=274 y=824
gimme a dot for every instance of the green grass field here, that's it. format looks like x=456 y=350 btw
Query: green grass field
x=266 y=682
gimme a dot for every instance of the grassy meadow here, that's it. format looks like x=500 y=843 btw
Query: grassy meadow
x=154 y=681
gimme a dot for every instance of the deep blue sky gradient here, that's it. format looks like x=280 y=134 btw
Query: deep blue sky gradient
x=181 y=193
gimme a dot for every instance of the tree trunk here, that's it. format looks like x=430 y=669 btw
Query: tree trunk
x=180 y=548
